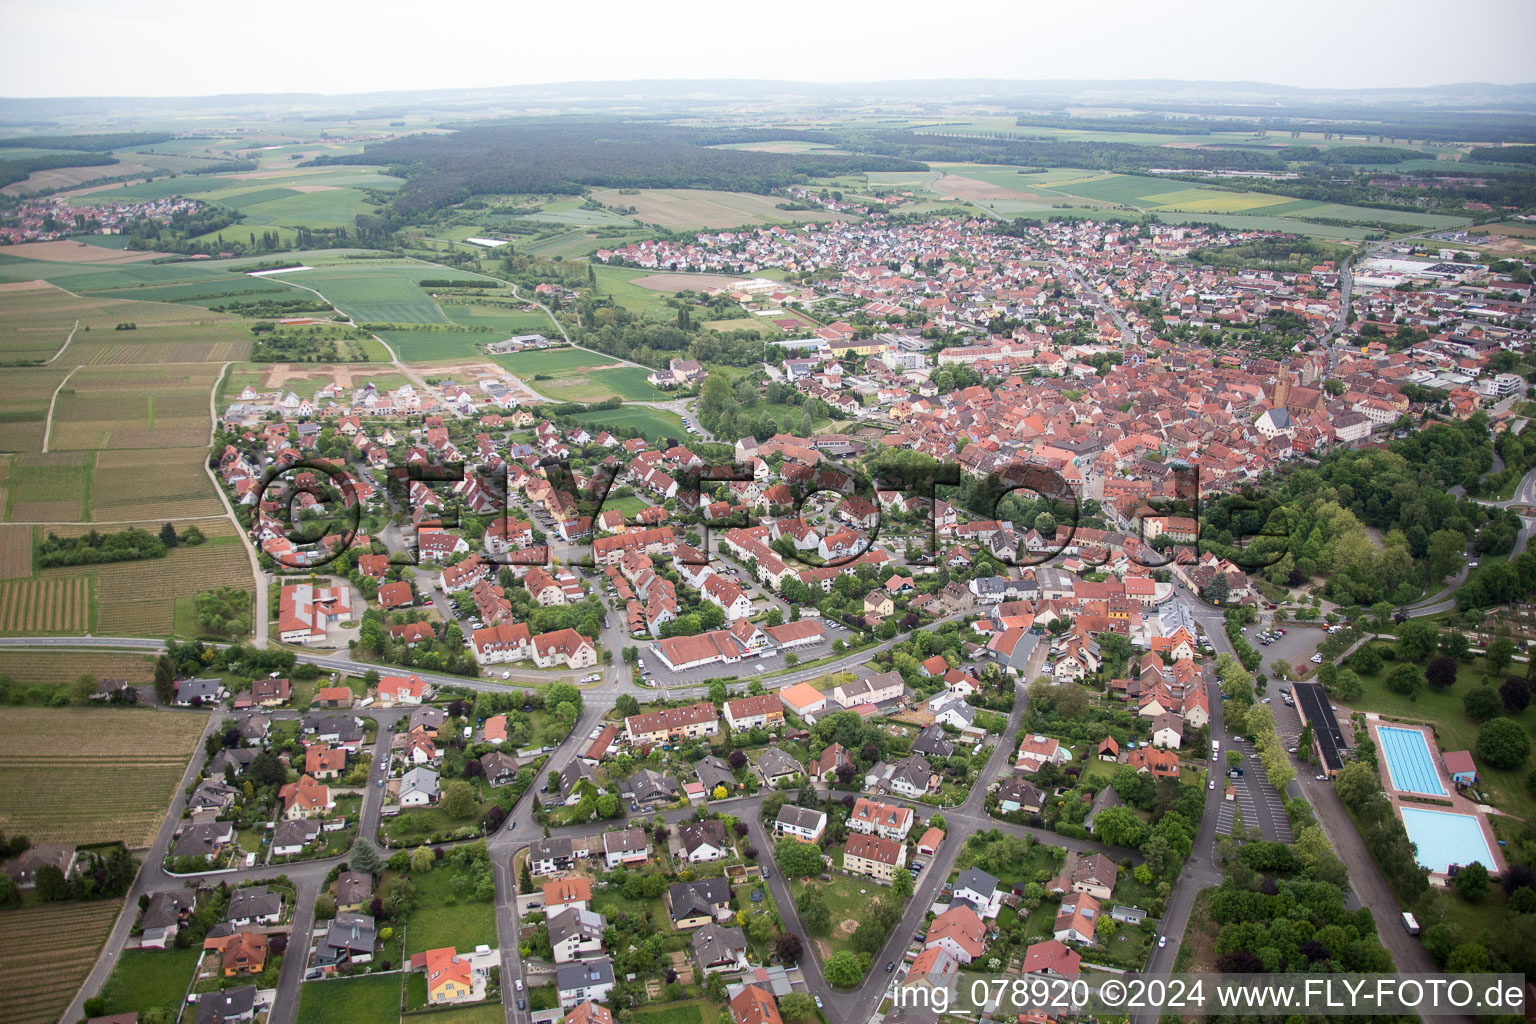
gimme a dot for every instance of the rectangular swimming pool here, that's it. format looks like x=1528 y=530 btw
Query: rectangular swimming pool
x=1444 y=838
x=1409 y=762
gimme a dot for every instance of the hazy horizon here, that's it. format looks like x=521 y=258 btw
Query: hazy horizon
x=90 y=48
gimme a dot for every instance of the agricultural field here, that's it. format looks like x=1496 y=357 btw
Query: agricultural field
x=653 y=424
x=15 y=552
x=435 y=346
x=88 y=775
x=619 y=283
x=134 y=407
x=51 y=488
x=380 y=291
x=161 y=484
x=499 y=318
x=553 y=361
x=627 y=382
x=33 y=606
x=56 y=941
x=35 y=320
x=692 y=208
x=24 y=419
x=140 y=598
x=569 y=211
x=53 y=667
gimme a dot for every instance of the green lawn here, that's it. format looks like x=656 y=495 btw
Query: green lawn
x=627 y=382
x=480 y=1013
x=370 y=1000
x=1454 y=730
x=435 y=923
x=146 y=978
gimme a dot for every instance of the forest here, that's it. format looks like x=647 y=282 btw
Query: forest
x=563 y=157
x=12 y=171
x=91 y=143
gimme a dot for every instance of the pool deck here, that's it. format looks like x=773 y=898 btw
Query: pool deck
x=1458 y=804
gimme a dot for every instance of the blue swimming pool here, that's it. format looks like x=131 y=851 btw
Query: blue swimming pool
x=1409 y=762
x=1444 y=838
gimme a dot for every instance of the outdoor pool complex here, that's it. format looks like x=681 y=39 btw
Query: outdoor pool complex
x=1409 y=761
x=1444 y=838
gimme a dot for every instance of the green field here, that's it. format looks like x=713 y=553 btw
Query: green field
x=499 y=318
x=615 y=281
x=146 y=978
x=369 y=1000
x=433 y=346
x=552 y=361
x=627 y=382
x=653 y=424
x=380 y=291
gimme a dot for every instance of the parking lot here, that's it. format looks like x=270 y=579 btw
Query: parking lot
x=1295 y=648
x=1261 y=805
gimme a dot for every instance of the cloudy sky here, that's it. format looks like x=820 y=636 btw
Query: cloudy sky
x=181 y=48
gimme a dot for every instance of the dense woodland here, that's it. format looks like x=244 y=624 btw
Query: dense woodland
x=563 y=157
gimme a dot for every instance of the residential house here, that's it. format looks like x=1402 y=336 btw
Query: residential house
x=576 y=934
x=695 y=904
x=802 y=823
x=959 y=932
x=719 y=948
x=703 y=840
x=1077 y=919
x=625 y=848
x=584 y=980
x=890 y=821
x=873 y=856
x=552 y=855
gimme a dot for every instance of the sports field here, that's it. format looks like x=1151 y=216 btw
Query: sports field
x=92 y=775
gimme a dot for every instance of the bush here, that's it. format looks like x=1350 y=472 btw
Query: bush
x=1481 y=704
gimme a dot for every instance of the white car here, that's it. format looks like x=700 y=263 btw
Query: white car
x=1317 y=659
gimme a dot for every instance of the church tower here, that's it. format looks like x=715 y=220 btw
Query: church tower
x=1282 y=388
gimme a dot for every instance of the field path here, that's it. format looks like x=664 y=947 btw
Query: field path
x=48 y=430
x=229 y=512
x=64 y=346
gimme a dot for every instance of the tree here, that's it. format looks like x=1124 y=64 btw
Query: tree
x=1501 y=651
x=814 y=913
x=165 y=680
x=325 y=906
x=83 y=688
x=937 y=820
x=797 y=859
x=902 y=884
x=843 y=969
x=1444 y=553
x=1367 y=660
x=458 y=800
x=10 y=895
x=364 y=857
x=626 y=704
x=1119 y=826
x=1471 y=882
x=422 y=860
x=1356 y=784
x=1440 y=673
x=1503 y=744
x=789 y=948
x=1405 y=680
x=1481 y=703
x=717 y=692
x=1516 y=694
x=525 y=879
x=1416 y=641
x=795 y=1006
